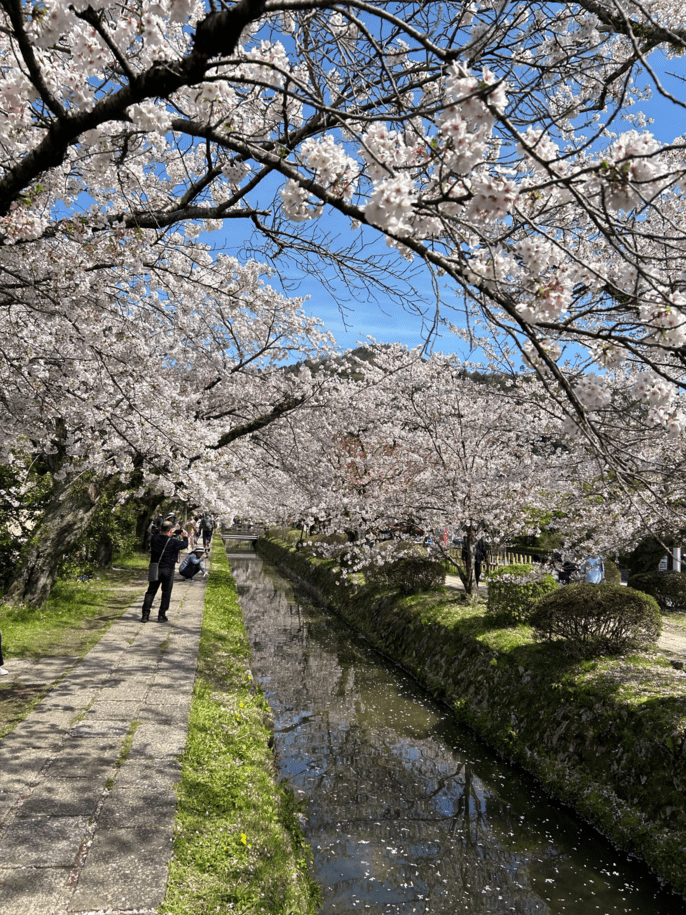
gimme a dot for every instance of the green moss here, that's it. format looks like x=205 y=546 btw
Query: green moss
x=238 y=844
x=607 y=735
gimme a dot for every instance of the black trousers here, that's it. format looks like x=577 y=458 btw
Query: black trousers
x=1 y=661
x=166 y=581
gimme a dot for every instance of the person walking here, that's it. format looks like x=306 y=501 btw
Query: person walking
x=3 y=672
x=206 y=529
x=192 y=530
x=480 y=556
x=165 y=547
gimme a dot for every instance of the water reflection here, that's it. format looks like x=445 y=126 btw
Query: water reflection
x=407 y=812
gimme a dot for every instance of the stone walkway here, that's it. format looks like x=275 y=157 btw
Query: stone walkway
x=87 y=797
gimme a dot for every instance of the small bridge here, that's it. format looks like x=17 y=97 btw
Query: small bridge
x=238 y=532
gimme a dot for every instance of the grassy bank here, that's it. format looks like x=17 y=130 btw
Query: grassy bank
x=238 y=845
x=76 y=616
x=606 y=735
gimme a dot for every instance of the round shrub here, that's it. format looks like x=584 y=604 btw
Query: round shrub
x=668 y=588
x=514 y=589
x=612 y=574
x=409 y=575
x=604 y=618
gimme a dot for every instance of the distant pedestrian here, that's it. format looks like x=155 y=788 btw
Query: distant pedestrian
x=3 y=672
x=164 y=550
x=480 y=556
x=206 y=529
x=191 y=529
x=192 y=564
x=594 y=569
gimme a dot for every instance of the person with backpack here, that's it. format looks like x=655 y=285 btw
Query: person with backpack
x=192 y=564
x=206 y=529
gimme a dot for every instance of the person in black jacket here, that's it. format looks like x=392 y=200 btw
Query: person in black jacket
x=165 y=547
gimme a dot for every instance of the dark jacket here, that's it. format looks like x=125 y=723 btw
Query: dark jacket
x=172 y=546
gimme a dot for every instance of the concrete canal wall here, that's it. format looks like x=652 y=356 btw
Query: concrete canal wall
x=606 y=736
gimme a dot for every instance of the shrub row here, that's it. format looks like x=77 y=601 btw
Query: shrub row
x=597 y=619
x=514 y=589
x=588 y=618
x=409 y=575
x=668 y=588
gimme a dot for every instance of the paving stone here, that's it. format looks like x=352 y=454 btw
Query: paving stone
x=8 y=798
x=42 y=841
x=31 y=736
x=23 y=764
x=86 y=758
x=58 y=718
x=158 y=695
x=138 y=806
x=155 y=741
x=68 y=797
x=165 y=714
x=125 y=868
x=46 y=671
x=135 y=672
x=126 y=710
x=149 y=775
x=100 y=727
x=32 y=890
x=71 y=693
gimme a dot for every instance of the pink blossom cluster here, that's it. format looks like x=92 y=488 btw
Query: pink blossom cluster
x=660 y=399
x=549 y=300
x=625 y=175
x=533 y=358
x=332 y=166
x=592 y=391
x=297 y=202
x=666 y=319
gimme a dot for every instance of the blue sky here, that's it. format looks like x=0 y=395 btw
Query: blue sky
x=386 y=321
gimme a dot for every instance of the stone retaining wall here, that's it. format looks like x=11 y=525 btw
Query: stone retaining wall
x=621 y=764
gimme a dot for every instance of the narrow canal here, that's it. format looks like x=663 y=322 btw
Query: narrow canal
x=407 y=812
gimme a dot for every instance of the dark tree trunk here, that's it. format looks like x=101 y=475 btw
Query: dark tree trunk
x=465 y=567
x=66 y=517
x=104 y=551
x=467 y=575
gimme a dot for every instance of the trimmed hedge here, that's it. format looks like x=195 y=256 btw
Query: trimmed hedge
x=597 y=619
x=513 y=568
x=668 y=588
x=409 y=575
x=514 y=599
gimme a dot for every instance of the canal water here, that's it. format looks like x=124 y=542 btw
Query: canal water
x=406 y=811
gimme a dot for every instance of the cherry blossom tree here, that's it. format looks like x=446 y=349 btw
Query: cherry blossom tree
x=486 y=141
x=483 y=139
x=428 y=445
x=143 y=381
x=419 y=444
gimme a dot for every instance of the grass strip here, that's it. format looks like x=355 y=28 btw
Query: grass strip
x=238 y=845
x=73 y=619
